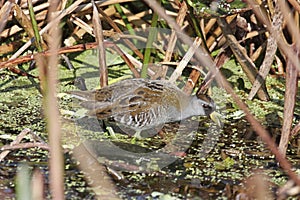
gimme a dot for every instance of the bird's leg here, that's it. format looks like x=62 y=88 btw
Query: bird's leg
x=161 y=134
x=111 y=132
x=136 y=136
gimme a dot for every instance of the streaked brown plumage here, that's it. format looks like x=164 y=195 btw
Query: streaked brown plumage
x=142 y=104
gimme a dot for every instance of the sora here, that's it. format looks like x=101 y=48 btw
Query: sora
x=142 y=104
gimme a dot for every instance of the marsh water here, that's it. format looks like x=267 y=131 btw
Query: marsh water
x=186 y=160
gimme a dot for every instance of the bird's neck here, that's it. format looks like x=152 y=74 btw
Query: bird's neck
x=187 y=108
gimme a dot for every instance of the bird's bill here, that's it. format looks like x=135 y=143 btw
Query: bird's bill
x=216 y=117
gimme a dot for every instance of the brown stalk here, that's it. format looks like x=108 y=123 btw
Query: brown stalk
x=96 y=174
x=295 y=4
x=4 y=13
x=291 y=87
x=136 y=19
x=295 y=130
x=258 y=186
x=292 y=26
x=37 y=183
x=56 y=160
x=83 y=25
x=136 y=74
x=255 y=54
x=23 y=133
x=192 y=80
x=26 y=145
x=98 y=31
x=186 y=58
x=16 y=144
x=212 y=39
x=10 y=31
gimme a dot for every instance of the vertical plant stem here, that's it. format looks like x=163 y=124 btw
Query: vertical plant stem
x=291 y=86
x=51 y=109
x=35 y=27
x=151 y=38
x=99 y=39
x=23 y=189
x=124 y=18
x=37 y=183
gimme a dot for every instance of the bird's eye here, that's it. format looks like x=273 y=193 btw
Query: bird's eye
x=206 y=106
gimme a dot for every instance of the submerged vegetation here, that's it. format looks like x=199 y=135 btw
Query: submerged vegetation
x=224 y=48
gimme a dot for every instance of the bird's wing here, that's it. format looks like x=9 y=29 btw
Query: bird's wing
x=126 y=105
x=124 y=99
x=142 y=106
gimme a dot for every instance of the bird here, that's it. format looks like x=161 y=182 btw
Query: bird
x=142 y=104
